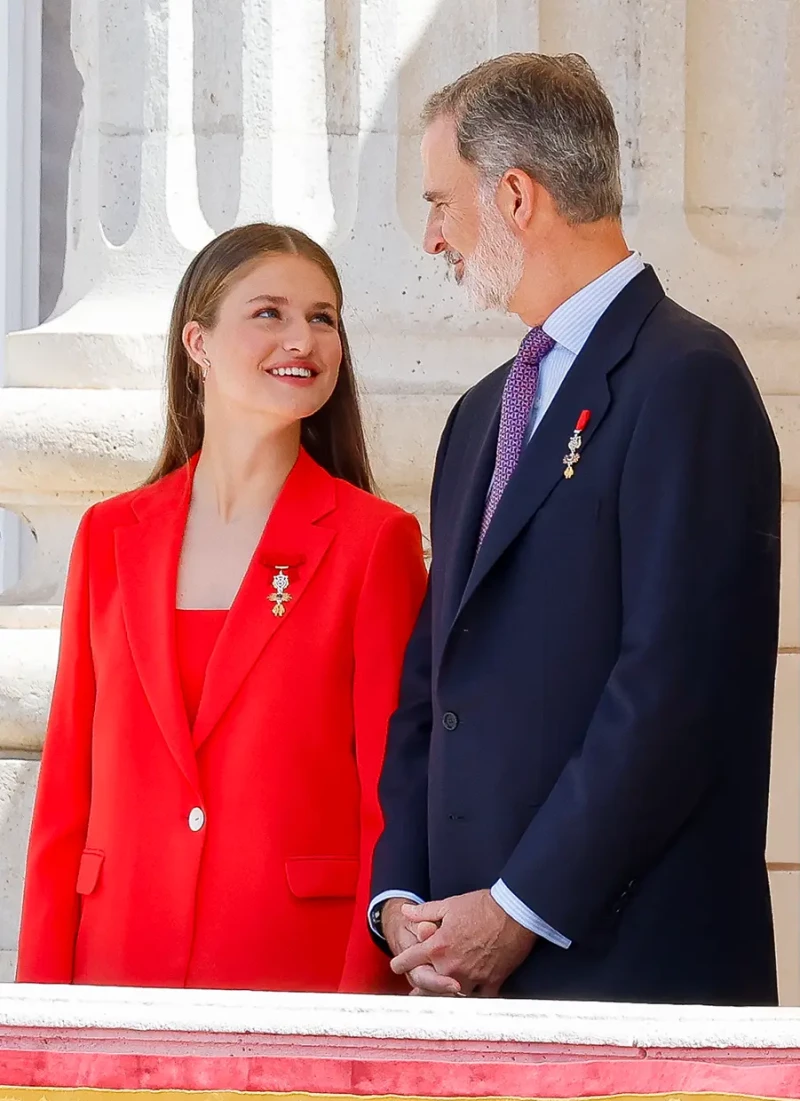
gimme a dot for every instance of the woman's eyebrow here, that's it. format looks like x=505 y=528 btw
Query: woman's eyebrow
x=277 y=300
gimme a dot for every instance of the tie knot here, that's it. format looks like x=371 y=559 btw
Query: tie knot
x=536 y=345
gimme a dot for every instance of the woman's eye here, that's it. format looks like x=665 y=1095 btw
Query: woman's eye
x=325 y=318
x=270 y=311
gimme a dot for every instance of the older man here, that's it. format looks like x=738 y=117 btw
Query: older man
x=575 y=787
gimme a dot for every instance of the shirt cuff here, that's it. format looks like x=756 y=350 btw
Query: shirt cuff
x=516 y=909
x=383 y=897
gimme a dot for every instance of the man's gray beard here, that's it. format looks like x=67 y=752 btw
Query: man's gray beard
x=494 y=270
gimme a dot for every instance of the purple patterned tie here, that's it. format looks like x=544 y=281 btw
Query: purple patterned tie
x=518 y=395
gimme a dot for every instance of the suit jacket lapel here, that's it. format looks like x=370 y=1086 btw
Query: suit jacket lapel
x=291 y=538
x=470 y=491
x=147 y=555
x=586 y=386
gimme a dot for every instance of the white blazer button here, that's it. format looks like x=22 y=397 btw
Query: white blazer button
x=196 y=819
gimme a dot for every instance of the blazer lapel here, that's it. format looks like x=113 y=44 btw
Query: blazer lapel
x=471 y=490
x=586 y=386
x=292 y=539
x=147 y=555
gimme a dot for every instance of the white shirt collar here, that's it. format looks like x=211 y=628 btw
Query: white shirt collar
x=572 y=322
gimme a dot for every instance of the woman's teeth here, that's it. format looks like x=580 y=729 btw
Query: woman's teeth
x=292 y=372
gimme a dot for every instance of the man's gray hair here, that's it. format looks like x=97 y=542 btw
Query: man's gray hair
x=548 y=116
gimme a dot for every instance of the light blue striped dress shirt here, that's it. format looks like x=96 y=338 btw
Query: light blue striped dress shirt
x=569 y=326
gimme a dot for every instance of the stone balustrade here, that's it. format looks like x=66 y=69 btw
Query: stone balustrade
x=56 y=1043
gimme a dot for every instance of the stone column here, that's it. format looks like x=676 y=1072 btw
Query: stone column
x=20 y=84
x=196 y=116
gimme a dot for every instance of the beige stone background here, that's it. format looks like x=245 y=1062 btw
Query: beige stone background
x=165 y=121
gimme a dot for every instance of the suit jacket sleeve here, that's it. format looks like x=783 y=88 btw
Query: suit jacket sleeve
x=401 y=856
x=50 y=908
x=392 y=591
x=699 y=530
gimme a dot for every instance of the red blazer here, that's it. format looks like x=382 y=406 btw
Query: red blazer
x=282 y=766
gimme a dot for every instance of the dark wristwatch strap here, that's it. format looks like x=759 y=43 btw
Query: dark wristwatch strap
x=376 y=917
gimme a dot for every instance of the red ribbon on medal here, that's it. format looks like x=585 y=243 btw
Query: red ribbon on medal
x=575 y=444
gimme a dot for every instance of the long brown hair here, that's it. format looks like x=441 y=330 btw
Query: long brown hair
x=334 y=435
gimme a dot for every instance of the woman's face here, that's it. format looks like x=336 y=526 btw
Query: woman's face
x=275 y=349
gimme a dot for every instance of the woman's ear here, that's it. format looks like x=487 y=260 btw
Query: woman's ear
x=194 y=342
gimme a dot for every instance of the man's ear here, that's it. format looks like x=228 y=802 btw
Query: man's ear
x=517 y=197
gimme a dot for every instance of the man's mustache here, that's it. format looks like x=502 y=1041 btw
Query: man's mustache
x=451 y=258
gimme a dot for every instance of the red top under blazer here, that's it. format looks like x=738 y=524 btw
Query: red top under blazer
x=236 y=855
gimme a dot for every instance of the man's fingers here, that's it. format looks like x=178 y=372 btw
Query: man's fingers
x=427 y=911
x=414 y=956
x=425 y=929
x=428 y=982
x=415 y=964
x=417 y=993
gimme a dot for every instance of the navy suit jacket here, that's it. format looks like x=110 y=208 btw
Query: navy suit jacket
x=586 y=703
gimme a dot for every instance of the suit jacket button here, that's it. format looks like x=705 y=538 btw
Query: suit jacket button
x=449 y=720
x=196 y=819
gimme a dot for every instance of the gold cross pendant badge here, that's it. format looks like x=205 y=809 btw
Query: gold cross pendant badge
x=281 y=596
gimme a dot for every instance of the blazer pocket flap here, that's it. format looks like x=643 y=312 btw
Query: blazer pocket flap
x=89 y=871
x=322 y=877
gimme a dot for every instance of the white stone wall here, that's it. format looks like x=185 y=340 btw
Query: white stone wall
x=195 y=116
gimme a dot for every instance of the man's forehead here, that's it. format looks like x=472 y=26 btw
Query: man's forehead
x=439 y=139
x=440 y=160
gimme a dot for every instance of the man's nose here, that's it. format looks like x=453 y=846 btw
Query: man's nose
x=432 y=241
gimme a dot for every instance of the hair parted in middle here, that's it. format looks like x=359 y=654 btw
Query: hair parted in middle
x=334 y=435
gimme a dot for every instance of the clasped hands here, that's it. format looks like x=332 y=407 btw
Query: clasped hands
x=461 y=946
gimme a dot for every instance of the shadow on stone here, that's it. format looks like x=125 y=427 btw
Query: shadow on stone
x=62 y=103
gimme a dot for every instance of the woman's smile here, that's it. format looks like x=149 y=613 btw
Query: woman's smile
x=298 y=372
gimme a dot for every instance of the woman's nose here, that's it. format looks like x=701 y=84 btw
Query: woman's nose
x=298 y=337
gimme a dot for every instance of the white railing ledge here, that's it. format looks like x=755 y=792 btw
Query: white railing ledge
x=220 y=1013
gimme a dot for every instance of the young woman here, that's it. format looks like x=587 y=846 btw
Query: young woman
x=231 y=649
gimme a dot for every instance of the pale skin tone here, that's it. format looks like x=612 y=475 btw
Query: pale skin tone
x=467 y=944
x=280 y=315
